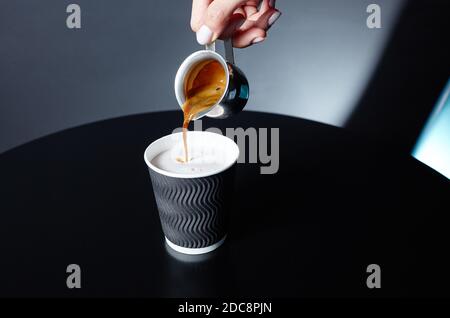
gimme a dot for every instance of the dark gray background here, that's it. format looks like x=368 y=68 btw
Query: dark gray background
x=315 y=64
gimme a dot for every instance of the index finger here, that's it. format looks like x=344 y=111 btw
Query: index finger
x=199 y=8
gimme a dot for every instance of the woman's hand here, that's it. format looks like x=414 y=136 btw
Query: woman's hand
x=239 y=19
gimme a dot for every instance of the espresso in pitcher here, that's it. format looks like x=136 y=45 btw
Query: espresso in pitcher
x=204 y=87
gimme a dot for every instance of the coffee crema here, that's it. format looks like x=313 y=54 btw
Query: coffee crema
x=203 y=88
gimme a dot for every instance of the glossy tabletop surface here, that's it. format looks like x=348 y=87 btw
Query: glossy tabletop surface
x=337 y=204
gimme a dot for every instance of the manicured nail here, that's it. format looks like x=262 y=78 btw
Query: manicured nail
x=274 y=17
x=257 y=40
x=204 y=35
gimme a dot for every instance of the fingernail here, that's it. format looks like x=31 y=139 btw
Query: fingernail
x=274 y=17
x=204 y=35
x=257 y=40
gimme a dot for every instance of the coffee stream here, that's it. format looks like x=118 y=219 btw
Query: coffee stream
x=204 y=86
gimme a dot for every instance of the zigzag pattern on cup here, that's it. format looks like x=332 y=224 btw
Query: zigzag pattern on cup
x=192 y=211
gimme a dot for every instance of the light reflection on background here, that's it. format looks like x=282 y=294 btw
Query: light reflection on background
x=433 y=145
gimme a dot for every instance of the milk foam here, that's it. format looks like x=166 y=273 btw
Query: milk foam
x=205 y=157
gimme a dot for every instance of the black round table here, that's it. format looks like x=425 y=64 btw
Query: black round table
x=338 y=203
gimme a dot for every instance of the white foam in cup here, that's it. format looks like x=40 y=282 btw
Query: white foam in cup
x=209 y=154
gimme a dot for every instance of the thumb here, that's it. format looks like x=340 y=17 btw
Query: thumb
x=216 y=19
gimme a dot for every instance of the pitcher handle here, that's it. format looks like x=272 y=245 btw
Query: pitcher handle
x=228 y=44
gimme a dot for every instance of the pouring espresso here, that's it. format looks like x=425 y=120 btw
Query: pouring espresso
x=207 y=84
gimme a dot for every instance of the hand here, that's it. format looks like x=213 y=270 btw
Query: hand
x=240 y=20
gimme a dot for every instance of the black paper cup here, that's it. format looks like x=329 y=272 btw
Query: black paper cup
x=194 y=204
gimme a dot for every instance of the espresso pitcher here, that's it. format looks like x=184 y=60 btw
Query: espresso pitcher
x=236 y=93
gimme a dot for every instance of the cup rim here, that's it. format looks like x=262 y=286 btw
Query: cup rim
x=231 y=142
x=182 y=71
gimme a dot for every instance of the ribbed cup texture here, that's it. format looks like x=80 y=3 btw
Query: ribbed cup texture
x=194 y=212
